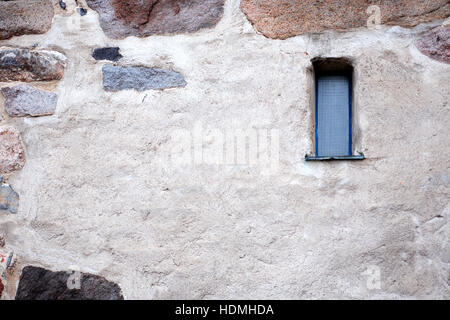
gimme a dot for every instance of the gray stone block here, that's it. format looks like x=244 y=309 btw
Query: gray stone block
x=9 y=199
x=24 y=100
x=116 y=78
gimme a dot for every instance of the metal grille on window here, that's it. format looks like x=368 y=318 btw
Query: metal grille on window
x=333 y=137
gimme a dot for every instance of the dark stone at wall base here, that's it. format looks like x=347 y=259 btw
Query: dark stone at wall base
x=41 y=284
x=20 y=17
x=141 y=18
x=108 y=53
x=436 y=44
x=116 y=78
x=30 y=65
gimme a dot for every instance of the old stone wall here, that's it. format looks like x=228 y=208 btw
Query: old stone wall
x=118 y=179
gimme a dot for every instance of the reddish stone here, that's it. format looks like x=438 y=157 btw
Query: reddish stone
x=12 y=155
x=21 y=17
x=281 y=19
x=436 y=44
x=141 y=18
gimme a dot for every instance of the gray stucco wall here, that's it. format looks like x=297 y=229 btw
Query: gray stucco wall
x=100 y=190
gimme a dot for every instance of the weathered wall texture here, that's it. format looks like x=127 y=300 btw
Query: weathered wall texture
x=89 y=185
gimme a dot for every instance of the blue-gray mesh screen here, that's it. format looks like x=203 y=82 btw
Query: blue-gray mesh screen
x=333 y=116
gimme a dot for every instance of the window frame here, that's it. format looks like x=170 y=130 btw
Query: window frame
x=333 y=67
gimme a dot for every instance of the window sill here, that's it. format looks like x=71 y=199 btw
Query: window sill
x=355 y=157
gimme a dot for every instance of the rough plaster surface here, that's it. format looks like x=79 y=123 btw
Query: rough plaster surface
x=99 y=192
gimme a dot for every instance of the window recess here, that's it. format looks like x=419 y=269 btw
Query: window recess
x=333 y=110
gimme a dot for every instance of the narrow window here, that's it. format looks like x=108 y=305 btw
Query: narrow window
x=333 y=116
x=333 y=110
